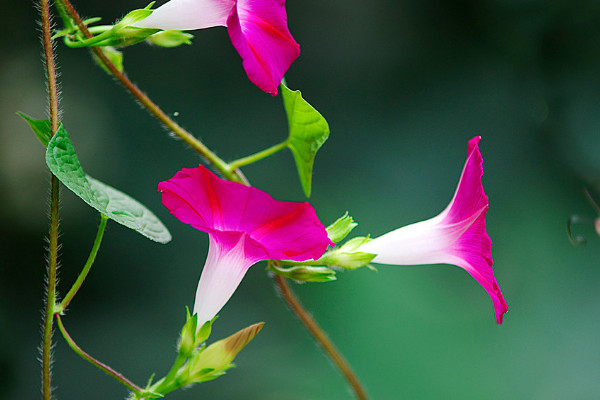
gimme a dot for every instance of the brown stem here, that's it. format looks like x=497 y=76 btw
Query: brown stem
x=54 y=216
x=154 y=109
x=321 y=337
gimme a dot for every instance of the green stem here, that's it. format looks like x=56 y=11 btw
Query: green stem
x=67 y=21
x=54 y=215
x=154 y=109
x=257 y=156
x=167 y=380
x=86 y=267
x=92 y=41
x=108 y=370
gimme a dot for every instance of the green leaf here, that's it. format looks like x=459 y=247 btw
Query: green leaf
x=116 y=205
x=41 y=128
x=308 y=131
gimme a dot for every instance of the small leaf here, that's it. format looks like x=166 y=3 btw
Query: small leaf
x=308 y=131
x=41 y=128
x=116 y=205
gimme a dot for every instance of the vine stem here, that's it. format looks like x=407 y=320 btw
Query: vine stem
x=230 y=172
x=54 y=215
x=152 y=107
x=86 y=268
x=321 y=337
x=126 y=382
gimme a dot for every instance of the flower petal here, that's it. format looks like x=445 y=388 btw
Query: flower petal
x=469 y=198
x=258 y=30
x=278 y=229
x=188 y=15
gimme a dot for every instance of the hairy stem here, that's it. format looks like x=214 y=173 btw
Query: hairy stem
x=108 y=370
x=321 y=337
x=54 y=197
x=149 y=105
x=86 y=268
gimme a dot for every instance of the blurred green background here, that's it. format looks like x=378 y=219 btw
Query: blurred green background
x=404 y=86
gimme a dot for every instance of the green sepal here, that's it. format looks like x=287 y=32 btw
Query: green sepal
x=347 y=257
x=187 y=339
x=304 y=273
x=308 y=131
x=116 y=205
x=170 y=38
x=41 y=128
x=337 y=231
x=204 y=332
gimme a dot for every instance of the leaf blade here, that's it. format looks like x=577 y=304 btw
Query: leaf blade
x=116 y=205
x=308 y=131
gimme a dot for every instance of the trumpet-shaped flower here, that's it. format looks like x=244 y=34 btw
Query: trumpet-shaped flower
x=244 y=225
x=257 y=29
x=456 y=236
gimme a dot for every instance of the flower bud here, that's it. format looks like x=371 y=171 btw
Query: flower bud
x=217 y=357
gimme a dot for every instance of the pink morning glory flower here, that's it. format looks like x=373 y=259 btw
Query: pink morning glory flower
x=257 y=29
x=456 y=236
x=244 y=225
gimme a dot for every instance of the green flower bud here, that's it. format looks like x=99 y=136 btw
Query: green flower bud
x=170 y=38
x=187 y=341
x=341 y=228
x=216 y=358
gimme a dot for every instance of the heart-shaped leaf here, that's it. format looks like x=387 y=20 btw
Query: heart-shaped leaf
x=308 y=131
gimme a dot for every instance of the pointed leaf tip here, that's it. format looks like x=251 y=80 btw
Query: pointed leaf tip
x=41 y=128
x=308 y=131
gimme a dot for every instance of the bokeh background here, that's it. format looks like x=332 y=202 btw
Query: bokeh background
x=404 y=86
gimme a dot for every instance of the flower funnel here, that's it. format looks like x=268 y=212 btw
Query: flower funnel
x=245 y=225
x=456 y=236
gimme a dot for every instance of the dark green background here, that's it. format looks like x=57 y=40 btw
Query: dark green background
x=404 y=86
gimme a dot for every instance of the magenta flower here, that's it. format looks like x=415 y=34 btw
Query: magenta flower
x=257 y=29
x=244 y=225
x=456 y=236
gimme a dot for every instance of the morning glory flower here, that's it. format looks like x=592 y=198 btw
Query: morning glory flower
x=457 y=236
x=245 y=225
x=257 y=29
